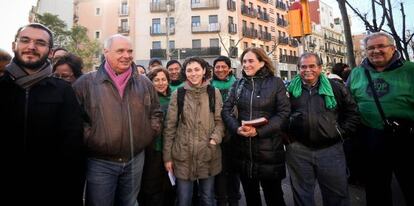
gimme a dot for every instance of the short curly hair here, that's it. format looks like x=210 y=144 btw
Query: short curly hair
x=203 y=63
x=74 y=62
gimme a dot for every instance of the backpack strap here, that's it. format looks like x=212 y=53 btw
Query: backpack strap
x=211 y=98
x=180 y=101
x=211 y=91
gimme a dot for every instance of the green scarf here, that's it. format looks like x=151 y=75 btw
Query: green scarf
x=325 y=89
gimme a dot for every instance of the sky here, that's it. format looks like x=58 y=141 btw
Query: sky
x=15 y=13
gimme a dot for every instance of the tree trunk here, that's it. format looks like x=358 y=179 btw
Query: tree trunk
x=348 y=35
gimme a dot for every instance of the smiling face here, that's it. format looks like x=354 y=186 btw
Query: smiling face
x=379 y=52
x=174 y=71
x=119 y=55
x=160 y=82
x=221 y=70
x=31 y=48
x=195 y=73
x=251 y=64
x=310 y=70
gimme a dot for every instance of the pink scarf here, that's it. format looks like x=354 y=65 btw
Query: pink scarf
x=120 y=80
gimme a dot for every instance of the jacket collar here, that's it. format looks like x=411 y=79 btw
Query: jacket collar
x=102 y=75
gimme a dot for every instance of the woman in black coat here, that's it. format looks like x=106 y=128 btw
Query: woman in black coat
x=258 y=152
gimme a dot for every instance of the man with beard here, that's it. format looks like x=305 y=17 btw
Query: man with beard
x=41 y=123
x=383 y=88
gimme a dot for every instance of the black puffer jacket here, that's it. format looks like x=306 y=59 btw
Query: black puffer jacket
x=261 y=96
x=315 y=126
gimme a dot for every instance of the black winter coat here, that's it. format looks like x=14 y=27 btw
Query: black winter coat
x=315 y=126
x=262 y=95
x=41 y=130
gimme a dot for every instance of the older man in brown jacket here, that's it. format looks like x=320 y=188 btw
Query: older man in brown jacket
x=122 y=117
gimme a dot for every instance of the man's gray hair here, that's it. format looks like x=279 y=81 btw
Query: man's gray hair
x=390 y=38
x=310 y=54
x=109 y=40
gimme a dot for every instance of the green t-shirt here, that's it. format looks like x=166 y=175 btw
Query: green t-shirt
x=395 y=89
x=224 y=85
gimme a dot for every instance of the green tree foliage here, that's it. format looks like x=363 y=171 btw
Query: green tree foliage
x=75 y=39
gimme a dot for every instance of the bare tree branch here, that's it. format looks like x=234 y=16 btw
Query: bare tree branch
x=275 y=44
x=222 y=43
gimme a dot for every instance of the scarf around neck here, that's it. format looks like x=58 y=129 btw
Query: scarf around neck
x=120 y=80
x=26 y=80
x=325 y=89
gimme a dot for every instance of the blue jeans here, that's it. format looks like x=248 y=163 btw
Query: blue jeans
x=112 y=183
x=327 y=166
x=205 y=189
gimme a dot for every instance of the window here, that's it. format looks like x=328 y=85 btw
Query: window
x=97 y=11
x=231 y=20
x=253 y=45
x=156 y=45
x=124 y=8
x=196 y=43
x=212 y=19
x=267 y=49
x=245 y=45
x=124 y=24
x=232 y=42
x=284 y=52
x=195 y=21
x=213 y=23
x=214 y=43
x=156 y=26
x=195 y=1
x=244 y=23
x=171 y=44
x=97 y=34
x=260 y=28
x=280 y=51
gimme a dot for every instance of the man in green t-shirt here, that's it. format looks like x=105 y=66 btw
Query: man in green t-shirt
x=383 y=153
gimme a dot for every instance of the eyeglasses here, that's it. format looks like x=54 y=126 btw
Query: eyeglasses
x=66 y=77
x=379 y=47
x=37 y=42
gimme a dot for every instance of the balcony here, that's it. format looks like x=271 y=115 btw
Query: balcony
x=182 y=53
x=231 y=5
x=233 y=52
x=123 y=30
x=281 y=22
x=161 y=30
x=205 y=4
x=232 y=28
x=248 y=11
x=265 y=36
x=293 y=42
x=161 y=6
x=280 y=5
x=263 y=16
x=249 y=32
x=158 y=53
x=210 y=28
x=264 y=1
x=332 y=39
x=288 y=59
x=283 y=40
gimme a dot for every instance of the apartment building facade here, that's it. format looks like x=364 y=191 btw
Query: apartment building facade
x=327 y=38
x=176 y=29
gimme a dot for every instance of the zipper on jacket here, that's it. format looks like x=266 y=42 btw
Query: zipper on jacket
x=26 y=114
x=131 y=140
x=250 y=139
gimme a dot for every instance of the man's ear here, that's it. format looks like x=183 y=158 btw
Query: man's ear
x=50 y=53
x=14 y=46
